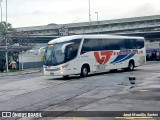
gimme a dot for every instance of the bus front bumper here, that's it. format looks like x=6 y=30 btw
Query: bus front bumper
x=54 y=73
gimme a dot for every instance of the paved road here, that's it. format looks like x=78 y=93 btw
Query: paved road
x=100 y=92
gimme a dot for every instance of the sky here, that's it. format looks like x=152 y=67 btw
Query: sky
x=25 y=13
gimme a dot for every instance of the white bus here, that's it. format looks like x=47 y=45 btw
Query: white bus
x=83 y=54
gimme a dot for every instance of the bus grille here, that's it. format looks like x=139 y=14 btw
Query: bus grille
x=52 y=69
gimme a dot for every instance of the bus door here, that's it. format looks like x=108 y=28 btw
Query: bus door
x=72 y=55
x=67 y=50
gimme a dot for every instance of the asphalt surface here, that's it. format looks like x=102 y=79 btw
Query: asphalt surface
x=111 y=91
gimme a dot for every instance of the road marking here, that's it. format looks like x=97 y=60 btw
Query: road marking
x=131 y=118
x=143 y=90
x=74 y=118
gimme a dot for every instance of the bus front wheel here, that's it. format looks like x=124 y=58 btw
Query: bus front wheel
x=84 y=71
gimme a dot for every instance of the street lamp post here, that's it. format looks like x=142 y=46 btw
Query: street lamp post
x=97 y=22
x=6 y=53
x=1 y=9
x=89 y=11
x=22 y=60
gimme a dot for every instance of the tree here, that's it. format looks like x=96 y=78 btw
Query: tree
x=3 y=31
x=13 y=36
x=16 y=41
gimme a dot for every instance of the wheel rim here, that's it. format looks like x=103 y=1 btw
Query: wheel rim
x=85 y=71
x=131 y=66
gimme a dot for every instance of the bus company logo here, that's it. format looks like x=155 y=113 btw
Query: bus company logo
x=102 y=57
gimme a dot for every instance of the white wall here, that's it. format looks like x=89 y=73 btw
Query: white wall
x=31 y=55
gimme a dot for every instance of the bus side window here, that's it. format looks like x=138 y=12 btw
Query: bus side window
x=134 y=43
x=69 y=52
x=122 y=44
x=140 y=43
x=116 y=45
x=128 y=44
x=87 y=46
x=131 y=44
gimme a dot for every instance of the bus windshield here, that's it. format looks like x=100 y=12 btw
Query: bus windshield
x=60 y=53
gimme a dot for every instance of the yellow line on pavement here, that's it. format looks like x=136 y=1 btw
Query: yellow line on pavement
x=74 y=118
x=143 y=90
x=80 y=118
x=134 y=118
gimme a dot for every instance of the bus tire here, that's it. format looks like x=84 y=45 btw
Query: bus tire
x=84 y=71
x=131 y=65
x=66 y=76
x=113 y=70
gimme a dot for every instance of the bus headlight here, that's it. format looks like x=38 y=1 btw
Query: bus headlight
x=63 y=66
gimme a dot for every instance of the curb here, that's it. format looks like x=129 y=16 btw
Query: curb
x=19 y=73
x=152 y=62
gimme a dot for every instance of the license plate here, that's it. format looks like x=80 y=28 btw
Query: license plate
x=51 y=73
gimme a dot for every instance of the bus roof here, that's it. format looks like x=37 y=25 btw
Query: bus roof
x=68 y=38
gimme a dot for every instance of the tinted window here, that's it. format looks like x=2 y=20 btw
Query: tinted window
x=130 y=44
x=122 y=44
x=102 y=44
x=96 y=45
x=134 y=43
x=87 y=46
x=72 y=50
x=111 y=44
x=114 y=44
x=62 y=52
x=140 y=43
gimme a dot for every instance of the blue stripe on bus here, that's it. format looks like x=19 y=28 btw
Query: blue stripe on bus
x=121 y=58
x=118 y=58
x=128 y=57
